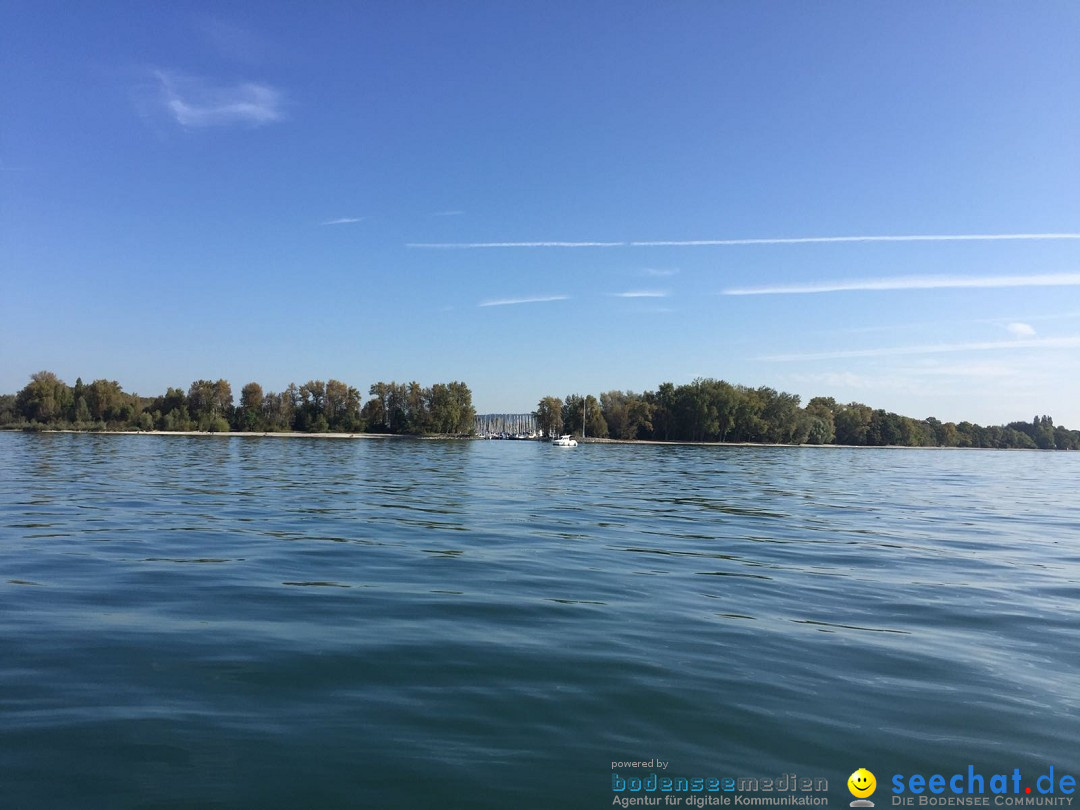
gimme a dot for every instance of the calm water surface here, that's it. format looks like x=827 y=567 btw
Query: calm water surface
x=261 y=622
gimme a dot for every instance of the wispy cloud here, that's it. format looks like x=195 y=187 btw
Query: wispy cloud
x=659 y=272
x=505 y=302
x=807 y=240
x=197 y=102
x=478 y=245
x=912 y=283
x=1021 y=330
x=797 y=240
x=642 y=294
x=937 y=348
x=344 y=221
x=454 y=213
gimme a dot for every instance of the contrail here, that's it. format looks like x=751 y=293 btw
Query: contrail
x=798 y=240
x=941 y=348
x=913 y=283
x=804 y=240
x=510 y=301
x=477 y=245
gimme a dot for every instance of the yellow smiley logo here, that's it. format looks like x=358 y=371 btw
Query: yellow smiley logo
x=861 y=783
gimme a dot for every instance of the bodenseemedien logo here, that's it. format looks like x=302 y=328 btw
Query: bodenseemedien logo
x=862 y=785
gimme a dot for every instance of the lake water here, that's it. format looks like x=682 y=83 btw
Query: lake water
x=268 y=622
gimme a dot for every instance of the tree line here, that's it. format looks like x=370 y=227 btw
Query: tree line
x=705 y=410
x=708 y=410
x=47 y=402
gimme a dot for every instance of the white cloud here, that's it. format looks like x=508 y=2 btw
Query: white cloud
x=454 y=213
x=196 y=102
x=659 y=272
x=503 y=302
x=912 y=283
x=1021 y=330
x=344 y=221
x=938 y=348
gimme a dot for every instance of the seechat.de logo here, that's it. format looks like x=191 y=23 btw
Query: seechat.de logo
x=862 y=784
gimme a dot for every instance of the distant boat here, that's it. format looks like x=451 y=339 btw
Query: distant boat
x=564 y=441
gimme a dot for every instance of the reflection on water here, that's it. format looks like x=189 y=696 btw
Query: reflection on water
x=398 y=623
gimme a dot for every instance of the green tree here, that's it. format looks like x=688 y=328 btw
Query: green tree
x=208 y=402
x=549 y=416
x=376 y=411
x=45 y=399
x=278 y=412
x=342 y=407
x=107 y=402
x=663 y=404
x=310 y=416
x=615 y=408
x=450 y=410
x=780 y=414
x=853 y=423
x=594 y=419
x=573 y=413
x=461 y=396
x=821 y=424
x=249 y=416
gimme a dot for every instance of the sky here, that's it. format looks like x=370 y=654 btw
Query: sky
x=878 y=202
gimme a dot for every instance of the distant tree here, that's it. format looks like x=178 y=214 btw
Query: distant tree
x=450 y=410
x=8 y=413
x=573 y=414
x=208 y=402
x=780 y=415
x=342 y=407
x=640 y=415
x=310 y=416
x=749 y=424
x=549 y=417
x=663 y=408
x=1065 y=439
x=107 y=402
x=594 y=419
x=821 y=420
x=277 y=412
x=696 y=415
x=45 y=399
x=1044 y=433
x=249 y=416
x=615 y=408
x=171 y=409
x=461 y=396
x=417 y=417
x=853 y=423
x=376 y=411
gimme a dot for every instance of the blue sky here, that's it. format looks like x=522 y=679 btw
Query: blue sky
x=283 y=191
